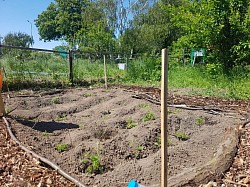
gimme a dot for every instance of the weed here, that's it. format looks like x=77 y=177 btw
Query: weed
x=149 y=116
x=131 y=124
x=199 y=121
x=62 y=147
x=55 y=100
x=181 y=136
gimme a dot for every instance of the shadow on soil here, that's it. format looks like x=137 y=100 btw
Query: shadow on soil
x=47 y=126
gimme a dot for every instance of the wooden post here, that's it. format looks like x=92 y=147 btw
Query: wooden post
x=164 y=111
x=70 y=66
x=105 y=71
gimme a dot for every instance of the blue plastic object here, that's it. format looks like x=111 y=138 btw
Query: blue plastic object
x=132 y=183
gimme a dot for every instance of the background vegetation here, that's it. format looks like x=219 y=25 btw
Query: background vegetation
x=141 y=29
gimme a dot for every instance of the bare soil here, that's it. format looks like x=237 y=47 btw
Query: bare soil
x=111 y=125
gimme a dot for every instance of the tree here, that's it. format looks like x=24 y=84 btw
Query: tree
x=152 y=29
x=218 y=25
x=76 y=21
x=18 y=39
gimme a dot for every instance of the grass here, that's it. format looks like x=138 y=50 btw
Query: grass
x=42 y=69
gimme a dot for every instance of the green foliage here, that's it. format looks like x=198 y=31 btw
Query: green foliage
x=87 y=95
x=79 y=22
x=181 y=136
x=147 y=69
x=61 y=147
x=61 y=117
x=199 y=121
x=219 y=26
x=148 y=117
x=131 y=124
x=55 y=100
x=18 y=39
x=92 y=163
x=45 y=133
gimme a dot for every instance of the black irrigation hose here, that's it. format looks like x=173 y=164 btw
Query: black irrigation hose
x=51 y=164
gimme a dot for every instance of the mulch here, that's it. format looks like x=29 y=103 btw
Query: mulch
x=20 y=169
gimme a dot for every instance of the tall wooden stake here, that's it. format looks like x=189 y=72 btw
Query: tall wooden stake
x=105 y=71
x=164 y=130
x=71 y=66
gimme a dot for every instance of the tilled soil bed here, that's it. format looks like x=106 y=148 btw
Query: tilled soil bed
x=109 y=137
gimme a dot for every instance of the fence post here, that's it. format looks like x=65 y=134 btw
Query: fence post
x=105 y=71
x=70 y=66
x=164 y=130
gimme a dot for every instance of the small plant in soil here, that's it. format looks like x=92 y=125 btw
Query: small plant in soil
x=148 y=117
x=92 y=163
x=158 y=142
x=45 y=133
x=87 y=95
x=144 y=105
x=61 y=147
x=199 y=121
x=140 y=148
x=131 y=124
x=61 y=117
x=181 y=136
x=55 y=100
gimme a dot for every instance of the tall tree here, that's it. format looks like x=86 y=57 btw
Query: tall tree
x=73 y=21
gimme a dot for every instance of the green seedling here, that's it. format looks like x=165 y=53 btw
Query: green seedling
x=81 y=126
x=149 y=116
x=181 y=136
x=45 y=133
x=158 y=142
x=131 y=124
x=199 y=121
x=140 y=148
x=87 y=95
x=144 y=105
x=61 y=147
x=92 y=163
x=61 y=117
x=55 y=100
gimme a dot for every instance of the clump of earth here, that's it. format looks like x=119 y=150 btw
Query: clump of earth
x=107 y=137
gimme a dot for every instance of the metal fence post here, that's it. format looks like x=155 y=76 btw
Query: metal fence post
x=70 y=66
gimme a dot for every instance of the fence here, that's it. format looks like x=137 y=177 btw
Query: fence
x=59 y=63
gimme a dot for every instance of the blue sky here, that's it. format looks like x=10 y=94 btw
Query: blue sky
x=14 y=15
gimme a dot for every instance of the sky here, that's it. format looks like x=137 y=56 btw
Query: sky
x=19 y=16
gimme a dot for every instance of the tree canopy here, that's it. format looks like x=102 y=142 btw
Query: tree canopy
x=147 y=26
